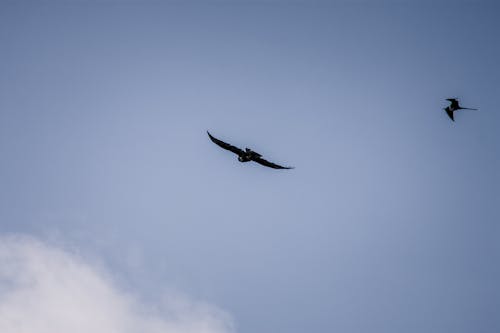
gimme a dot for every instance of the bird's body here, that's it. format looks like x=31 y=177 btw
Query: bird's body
x=246 y=155
x=454 y=106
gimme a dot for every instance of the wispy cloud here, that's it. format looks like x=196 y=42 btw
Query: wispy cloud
x=45 y=289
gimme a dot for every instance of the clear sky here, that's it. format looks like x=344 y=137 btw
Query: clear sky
x=389 y=222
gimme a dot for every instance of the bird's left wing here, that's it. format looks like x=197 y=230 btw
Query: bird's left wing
x=225 y=145
x=450 y=114
x=262 y=161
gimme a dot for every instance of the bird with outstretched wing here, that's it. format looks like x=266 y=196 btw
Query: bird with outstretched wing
x=246 y=155
x=454 y=106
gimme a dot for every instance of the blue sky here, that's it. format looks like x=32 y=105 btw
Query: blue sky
x=390 y=221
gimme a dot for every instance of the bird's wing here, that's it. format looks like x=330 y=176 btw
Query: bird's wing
x=225 y=145
x=262 y=161
x=450 y=114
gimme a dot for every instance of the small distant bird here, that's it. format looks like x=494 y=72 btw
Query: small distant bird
x=246 y=155
x=454 y=106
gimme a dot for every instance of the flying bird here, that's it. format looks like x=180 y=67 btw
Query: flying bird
x=246 y=155
x=454 y=106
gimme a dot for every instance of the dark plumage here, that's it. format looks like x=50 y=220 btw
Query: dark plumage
x=246 y=155
x=454 y=106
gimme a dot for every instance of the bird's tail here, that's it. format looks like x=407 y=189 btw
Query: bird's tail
x=469 y=109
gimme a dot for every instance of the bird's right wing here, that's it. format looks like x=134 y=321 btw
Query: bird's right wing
x=225 y=145
x=262 y=161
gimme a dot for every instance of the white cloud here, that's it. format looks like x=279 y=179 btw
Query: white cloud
x=44 y=289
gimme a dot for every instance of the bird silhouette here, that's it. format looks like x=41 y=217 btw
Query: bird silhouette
x=454 y=106
x=246 y=155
